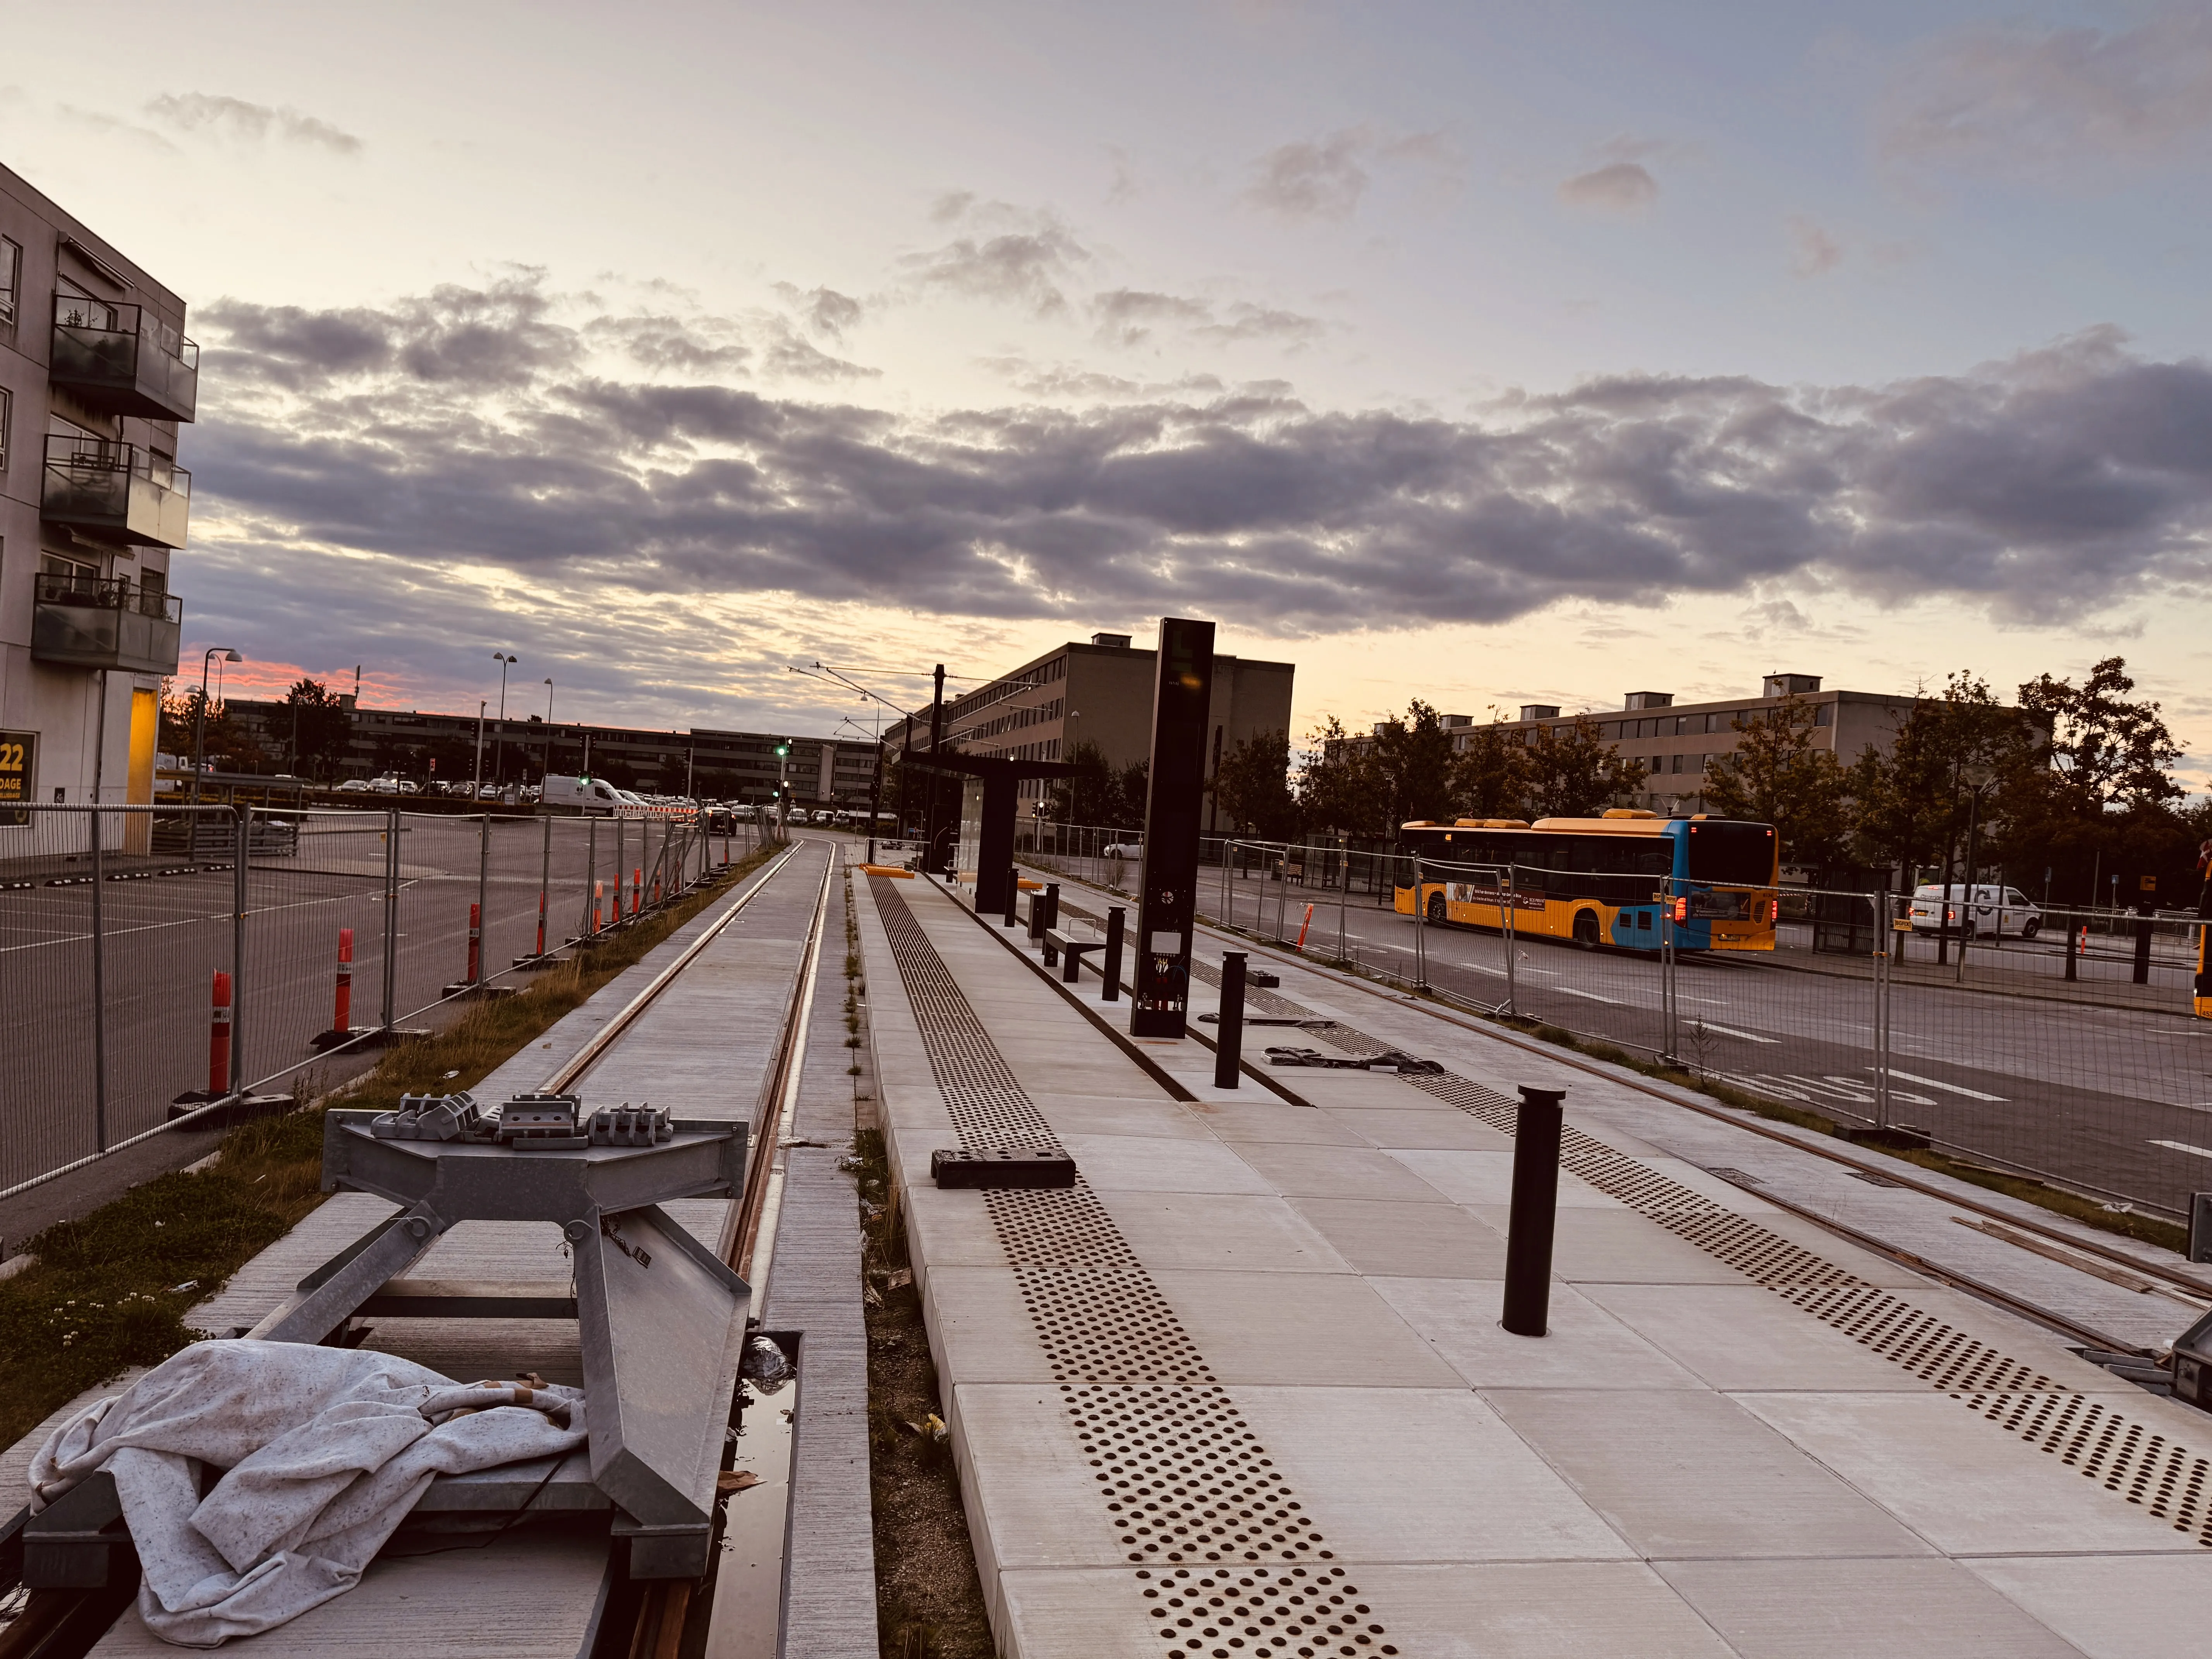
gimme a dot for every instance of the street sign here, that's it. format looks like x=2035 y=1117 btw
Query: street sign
x=19 y=770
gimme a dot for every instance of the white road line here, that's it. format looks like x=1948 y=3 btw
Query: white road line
x=2183 y=1147
x=1947 y=1088
x=1729 y=1031
x=1590 y=996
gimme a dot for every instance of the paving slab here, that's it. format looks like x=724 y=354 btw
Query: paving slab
x=1318 y=1328
x=1170 y=1164
x=1240 y=1231
x=1338 y=1172
x=1584 y=1346
x=1846 y=1609
x=1384 y=1238
x=1486 y=1177
x=1267 y=1119
x=1740 y=1337
x=2111 y=1607
x=1617 y=1246
x=1441 y=1129
x=1684 y=1471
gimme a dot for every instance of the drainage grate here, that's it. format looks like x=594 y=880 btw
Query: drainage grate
x=2168 y=1480
x=1225 y=1555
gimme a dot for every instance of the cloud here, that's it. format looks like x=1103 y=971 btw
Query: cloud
x=1023 y=264
x=1317 y=178
x=823 y=309
x=235 y=119
x=1617 y=187
x=1247 y=321
x=1064 y=382
x=789 y=354
x=477 y=431
x=1813 y=251
x=1128 y=317
x=2027 y=102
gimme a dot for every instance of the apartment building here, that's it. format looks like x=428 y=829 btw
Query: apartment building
x=95 y=377
x=1099 y=693
x=1678 y=742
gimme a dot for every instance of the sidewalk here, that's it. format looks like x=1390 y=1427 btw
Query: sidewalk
x=1244 y=1391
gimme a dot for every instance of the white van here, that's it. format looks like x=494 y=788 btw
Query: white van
x=589 y=796
x=1985 y=909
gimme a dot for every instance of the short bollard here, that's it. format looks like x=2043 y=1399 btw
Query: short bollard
x=2073 y=952
x=1229 y=1048
x=599 y=894
x=1037 y=917
x=219 y=1039
x=2143 y=945
x=636 y=888
x=1052 y=905
x=1535 y=1202
x=1013 y=898
x=1116 y=920
x=342 y=1017
x=476 y=943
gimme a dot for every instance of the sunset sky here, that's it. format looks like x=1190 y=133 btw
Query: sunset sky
x=1488 y=353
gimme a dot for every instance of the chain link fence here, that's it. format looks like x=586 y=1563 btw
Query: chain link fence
x=156 y=957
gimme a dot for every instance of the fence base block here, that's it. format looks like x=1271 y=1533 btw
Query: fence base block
x=550 y=959
x=365 y=1036
x=461 y=987
x=242 y=1108
x=1896 y=1138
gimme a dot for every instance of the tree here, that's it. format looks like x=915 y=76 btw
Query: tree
x=2112 y=751
x=324 y=725
x=1252 y=786
x=1339 y=788
x=1778 y=776
x=1412 y=764
x=1491 y=776
x=1573 y=773
x=1096 y=795
x=229 y=747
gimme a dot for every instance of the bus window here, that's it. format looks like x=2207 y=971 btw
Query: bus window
x=1731 y=854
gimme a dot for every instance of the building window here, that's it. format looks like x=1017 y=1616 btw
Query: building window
x=1677 y=766
x=7 y=405
x=11 y=275
x=1824 y=714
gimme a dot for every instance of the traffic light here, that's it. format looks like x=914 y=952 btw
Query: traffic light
x=782 y=750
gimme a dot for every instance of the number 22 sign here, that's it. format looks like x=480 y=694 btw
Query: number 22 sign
x=19 y=763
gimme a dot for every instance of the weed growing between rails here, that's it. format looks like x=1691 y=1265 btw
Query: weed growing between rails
x=929 y=1601
x=112 y=1288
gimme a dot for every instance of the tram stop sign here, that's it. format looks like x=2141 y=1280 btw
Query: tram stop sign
x=1167 y=906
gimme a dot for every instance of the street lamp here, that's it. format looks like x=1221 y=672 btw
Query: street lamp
x=200 y=714
x=1978 y=775
x=505 y=659
x=548 y=767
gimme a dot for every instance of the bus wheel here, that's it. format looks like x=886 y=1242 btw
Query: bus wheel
x=1437 y=915
x=1586 y=929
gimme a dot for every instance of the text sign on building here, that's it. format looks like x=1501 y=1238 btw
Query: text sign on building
x=19 y=765
x=1167 y=902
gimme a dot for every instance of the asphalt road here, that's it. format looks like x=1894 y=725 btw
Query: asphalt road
x=165 y=935
x=2118 y=1099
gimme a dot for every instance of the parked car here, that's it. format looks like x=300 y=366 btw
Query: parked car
x=1123 y=849
x=1982 y=908
x=355 y=786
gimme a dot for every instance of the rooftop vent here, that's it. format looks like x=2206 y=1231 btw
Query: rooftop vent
x=1540 y=711
x=1649 y=699
x=1112 y=641
x=1790 y=685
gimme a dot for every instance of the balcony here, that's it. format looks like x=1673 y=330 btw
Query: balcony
x=88 y=622
x=115 y=492
x=123 y=360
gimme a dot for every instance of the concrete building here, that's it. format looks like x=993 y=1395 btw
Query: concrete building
x=1099 y=693
x=735 y=765
x=1680 y=743
x=95 y=377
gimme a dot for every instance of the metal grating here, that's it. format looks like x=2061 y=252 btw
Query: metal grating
x=1226 y=1558
x=2142 y=1466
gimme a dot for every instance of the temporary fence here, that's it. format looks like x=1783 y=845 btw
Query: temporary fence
x=2056 y=1042
x=183 y=951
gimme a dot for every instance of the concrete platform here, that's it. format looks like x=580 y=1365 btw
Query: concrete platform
x=1743 y=1435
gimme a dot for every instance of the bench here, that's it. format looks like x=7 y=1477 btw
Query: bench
x=1058 y=942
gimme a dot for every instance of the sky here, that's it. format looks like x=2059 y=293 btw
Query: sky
x=1486 y=353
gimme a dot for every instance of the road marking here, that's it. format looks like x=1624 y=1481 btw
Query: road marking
x=1729 y=1031
x=2183 y=1147
x=1947 y=1088
x=1591 y=996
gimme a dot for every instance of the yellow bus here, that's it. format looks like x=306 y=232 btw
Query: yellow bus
x=1610 y=880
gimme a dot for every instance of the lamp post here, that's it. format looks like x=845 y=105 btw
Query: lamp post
x=475 y=782
x=1977 y=774
x=200 y=714
x=505 y=659
x=545 y=769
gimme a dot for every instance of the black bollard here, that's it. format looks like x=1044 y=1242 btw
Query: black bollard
x=1230 y=1045
x=1051 y=921
x=2143 y=943
x=1036 y=916
x=2073 y=948
x=1116 y=918
x=1535 y=1202
x=1013 y=898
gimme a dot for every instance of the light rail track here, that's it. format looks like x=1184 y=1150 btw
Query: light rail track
x=646 y=1620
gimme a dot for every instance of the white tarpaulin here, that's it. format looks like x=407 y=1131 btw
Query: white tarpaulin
x=327 y=1449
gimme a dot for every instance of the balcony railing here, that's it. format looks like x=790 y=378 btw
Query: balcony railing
x=93 y=622
x=124 y=359
x=117 y=492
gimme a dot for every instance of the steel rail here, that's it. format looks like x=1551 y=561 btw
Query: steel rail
x=1889 y=1170
x=572 y=1070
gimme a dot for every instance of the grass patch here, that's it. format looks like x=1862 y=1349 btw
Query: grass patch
x=112 y=1288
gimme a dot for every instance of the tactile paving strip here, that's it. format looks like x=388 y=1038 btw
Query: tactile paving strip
x=1227 y=1560
x=2141 y=1465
